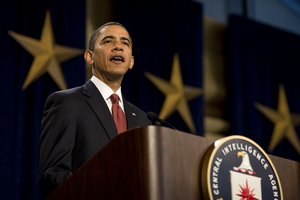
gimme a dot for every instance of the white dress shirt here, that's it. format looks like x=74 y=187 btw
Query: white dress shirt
x=106 y=92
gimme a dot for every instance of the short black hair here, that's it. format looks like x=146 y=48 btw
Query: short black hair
x=95 y=35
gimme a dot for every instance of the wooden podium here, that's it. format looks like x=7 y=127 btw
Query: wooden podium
x=155 y=163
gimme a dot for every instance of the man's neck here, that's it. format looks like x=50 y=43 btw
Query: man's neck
x=114 y=84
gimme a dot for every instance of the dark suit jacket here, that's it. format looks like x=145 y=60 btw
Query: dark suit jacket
x=76 y=124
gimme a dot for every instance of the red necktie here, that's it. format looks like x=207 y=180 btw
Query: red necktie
x=118 y=114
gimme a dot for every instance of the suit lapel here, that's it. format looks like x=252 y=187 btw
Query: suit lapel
x=131 y=115
x=99 y=106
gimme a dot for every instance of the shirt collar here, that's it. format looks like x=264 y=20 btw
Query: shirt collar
x=105 y=90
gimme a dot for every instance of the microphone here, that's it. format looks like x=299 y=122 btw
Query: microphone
x=156 y=120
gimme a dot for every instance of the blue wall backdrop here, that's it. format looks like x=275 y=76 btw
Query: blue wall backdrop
x=261 y=59
x=21 y=110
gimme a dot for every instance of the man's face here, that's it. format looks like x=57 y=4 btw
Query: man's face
x=112 y=55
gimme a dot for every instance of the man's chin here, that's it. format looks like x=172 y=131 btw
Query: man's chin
x=117 y=75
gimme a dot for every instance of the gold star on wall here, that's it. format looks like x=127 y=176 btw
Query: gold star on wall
x=177 y=95
x=47 y=55
x=284 y=121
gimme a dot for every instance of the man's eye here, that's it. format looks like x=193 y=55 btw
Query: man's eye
x=107 y=41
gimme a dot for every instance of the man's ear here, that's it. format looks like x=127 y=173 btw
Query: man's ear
x=131 y=62
x=88 y=56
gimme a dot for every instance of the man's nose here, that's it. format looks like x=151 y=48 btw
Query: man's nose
x=118 y=46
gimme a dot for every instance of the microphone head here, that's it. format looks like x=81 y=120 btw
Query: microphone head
x=156 y=120
x=152 y=116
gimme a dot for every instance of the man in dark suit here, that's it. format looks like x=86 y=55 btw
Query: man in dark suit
x=78 y=122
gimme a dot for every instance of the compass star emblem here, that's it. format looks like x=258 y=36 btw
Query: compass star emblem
x=246 y=193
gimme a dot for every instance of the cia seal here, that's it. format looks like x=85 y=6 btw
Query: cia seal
x=237 y=168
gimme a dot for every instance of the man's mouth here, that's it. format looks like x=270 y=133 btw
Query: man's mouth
x=117 y=58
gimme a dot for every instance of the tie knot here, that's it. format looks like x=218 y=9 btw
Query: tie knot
x=114 y=98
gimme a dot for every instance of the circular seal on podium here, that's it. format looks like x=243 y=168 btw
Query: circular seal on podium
x=235 y=167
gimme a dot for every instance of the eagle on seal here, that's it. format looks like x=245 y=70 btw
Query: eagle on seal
x=245 y=165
